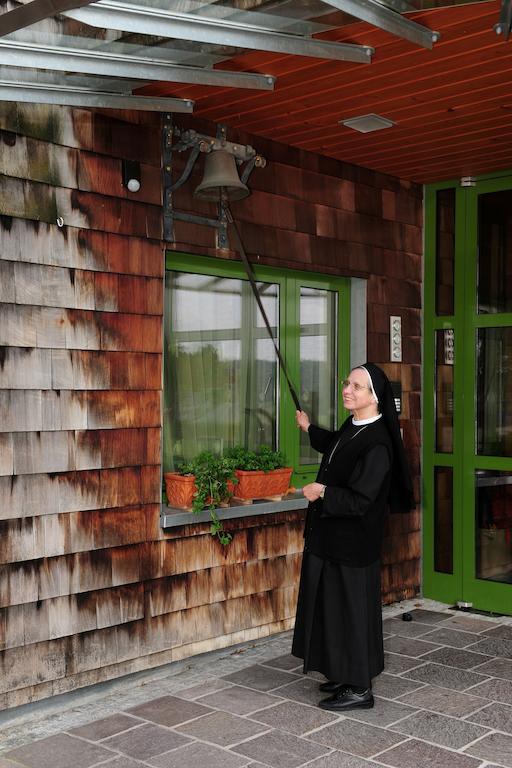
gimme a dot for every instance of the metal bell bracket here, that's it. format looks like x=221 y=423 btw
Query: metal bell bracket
x=199 y=144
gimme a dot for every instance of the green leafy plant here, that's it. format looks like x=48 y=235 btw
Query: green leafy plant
x=212 y=475
x=264 y=459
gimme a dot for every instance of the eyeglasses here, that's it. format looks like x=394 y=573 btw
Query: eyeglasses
x=354 y=384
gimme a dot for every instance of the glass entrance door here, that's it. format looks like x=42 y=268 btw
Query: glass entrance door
x=468 y=395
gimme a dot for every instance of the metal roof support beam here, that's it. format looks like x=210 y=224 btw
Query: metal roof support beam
x=384 y=18
x=96 y=62
x=35 y=11
x=110 y=14
x=36 y=93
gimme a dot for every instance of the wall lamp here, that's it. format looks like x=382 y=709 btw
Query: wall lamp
x=131 y=175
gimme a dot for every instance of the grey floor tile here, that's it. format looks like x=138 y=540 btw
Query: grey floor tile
x=281 y=750
x=468 y=624
x=453 y=637
x=144 y=742
x=5 y=763
x=442 y=700
x=222 y=728
x=439 y=729
x=119 y=762
x=107 y=726
x=457 y=657
x=286 y=662
x=395 y=664
x=260 y=678
x=169 y=710
x=294 y=718
x=494 y=646
x=340 y=760
x=198 y=755
x=495 y=689
x=500 y=630
x=238 y=700
x=358 y=738
x=496 y=746
x=497 y=668
x=408 y=646
x=405 y=628
x=60 y=751
x=497 y=716
x=429 y=617
x=383 y=713
x=419 y=754
x=447 y=677
x=203 y=689
x=305 y=690
x=390 y=686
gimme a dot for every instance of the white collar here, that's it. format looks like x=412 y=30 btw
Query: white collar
x=360 y=422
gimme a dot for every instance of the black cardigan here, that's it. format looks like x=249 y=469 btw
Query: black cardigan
x=347 y=525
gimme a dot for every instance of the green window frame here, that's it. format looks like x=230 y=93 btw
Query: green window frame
x=290 y=283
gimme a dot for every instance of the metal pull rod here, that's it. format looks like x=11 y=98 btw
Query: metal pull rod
x=252 y=279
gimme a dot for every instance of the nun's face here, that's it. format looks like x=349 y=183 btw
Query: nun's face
x=356 y=392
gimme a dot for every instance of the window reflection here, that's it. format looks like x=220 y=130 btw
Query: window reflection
x=221 y=369
x=494 y=525
x=443 y=519
x=444 y=390
x=445 y=251
x=495 y=252
x=494 y=391
x=318 y=362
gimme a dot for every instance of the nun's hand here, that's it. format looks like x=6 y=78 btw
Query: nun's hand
x=312 y=491
x=302 y=420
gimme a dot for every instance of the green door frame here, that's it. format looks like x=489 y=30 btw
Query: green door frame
x=461 y=585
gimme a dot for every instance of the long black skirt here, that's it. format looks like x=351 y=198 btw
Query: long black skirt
x=338 y=628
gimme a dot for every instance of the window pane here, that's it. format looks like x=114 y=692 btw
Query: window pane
x=494 y=525
x=220 y=366
x=444 y=390
x=318 y=362
x=495 y=252
x=443 y=519
x=445 y=251
x=494 y=391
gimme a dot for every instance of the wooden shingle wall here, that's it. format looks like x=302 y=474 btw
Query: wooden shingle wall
x=90 y=586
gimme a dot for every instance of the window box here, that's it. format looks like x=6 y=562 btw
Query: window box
x=256 y=484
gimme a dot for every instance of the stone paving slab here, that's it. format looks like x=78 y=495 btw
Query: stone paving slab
x=222 y=728
x=443 y=700
x=294 y=718
x=107 y=726
x=439 y=729
x=357 y=738
x=144 y=742
x=496 y=746
x=169 y=710
x=199 y=756
x=414 y=753
x=447 y=677
x=60 y=751
x=238 y=700
x=281 y=750
x=457 y=657
x=453 y=637
x=261 y=678
x=497 y=716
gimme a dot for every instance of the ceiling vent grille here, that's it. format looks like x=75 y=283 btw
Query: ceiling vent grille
x=367 y=123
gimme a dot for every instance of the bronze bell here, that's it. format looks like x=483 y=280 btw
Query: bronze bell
x=220 y=175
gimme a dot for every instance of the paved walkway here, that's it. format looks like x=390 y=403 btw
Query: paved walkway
x=444 y=701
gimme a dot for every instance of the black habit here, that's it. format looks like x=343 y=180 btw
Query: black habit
x=338 y=628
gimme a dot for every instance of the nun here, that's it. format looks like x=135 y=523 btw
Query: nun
x=338 y=628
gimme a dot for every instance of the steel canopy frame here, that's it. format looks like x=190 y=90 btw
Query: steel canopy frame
x=96 y=62
x=37 y=93
x=109 y=14
x=35 y=11
x=384 y=18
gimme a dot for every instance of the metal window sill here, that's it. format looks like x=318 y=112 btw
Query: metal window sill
x=172 y=517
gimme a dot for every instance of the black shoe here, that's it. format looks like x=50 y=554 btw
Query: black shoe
x=330 y=687
x=346 y=698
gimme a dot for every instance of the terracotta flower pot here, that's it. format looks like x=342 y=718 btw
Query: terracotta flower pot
x=180 y=490
x=257 y=484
